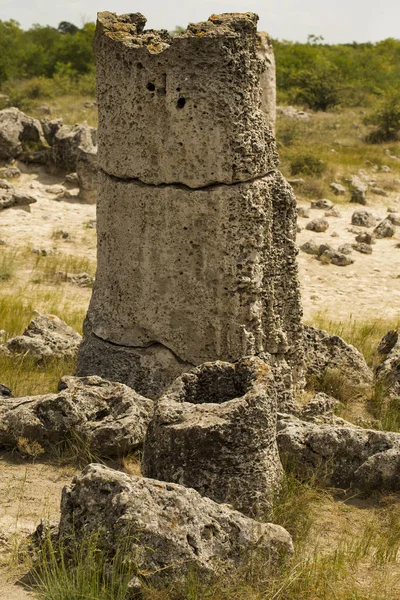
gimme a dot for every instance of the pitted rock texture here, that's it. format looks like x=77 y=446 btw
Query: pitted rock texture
x=209 y=274
x=342 y=455
x=183 y=109
x=110 y=418
x=214 y=430
x=46 y=337
x=265 y=51
x=387 y=373
x=167 y=529
x=324 y=351
x=18 y=132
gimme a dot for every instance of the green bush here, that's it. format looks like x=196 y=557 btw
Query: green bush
x=386 y=120
x=307 y=164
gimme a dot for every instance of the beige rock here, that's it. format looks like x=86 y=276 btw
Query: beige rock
x=182 y=109
x=207 y=274
x=268 y=78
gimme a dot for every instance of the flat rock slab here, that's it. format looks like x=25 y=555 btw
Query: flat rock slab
x=182 y=109
x=167 y=529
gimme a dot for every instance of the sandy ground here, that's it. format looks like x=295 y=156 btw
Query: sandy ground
x=370 y=286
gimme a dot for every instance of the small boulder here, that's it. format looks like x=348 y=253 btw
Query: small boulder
x=365 y=238
x=378 y=191
x=10 y=198
x=338 y=189
x=304 y=212
x=387 y=373
x=362 y=248
x=358 y=190
x=18 y=132
x=50 y=128
x=5 y=391
x=318 y=225
x=363 y=218
x=329 y=255
x=109 y=418
x=394 y=219
x=333 y=212
x=346 y=249
x=385 y=229
x=66 y=144
x=323 y=204
x=46 y=337
x=167 y=529
x=10 y=172
x=310 y=247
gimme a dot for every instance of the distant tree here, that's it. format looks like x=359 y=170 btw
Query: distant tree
x=66 y=27
x=319 y=86
x=385 y=119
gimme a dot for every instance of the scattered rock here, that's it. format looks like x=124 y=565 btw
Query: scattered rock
x=333 y=212
x=80 y=279
x=293 y=113
x=388 y=342
x=72 y=178
x=324 y=351
x=5 y=391
x=310 y=247
x=10 y=198
x=109 y=418
x=378 y=191
x=173 y=526
x=318 y=225
x=358 y=190
x=387 y=373
x=394 y=218
x=365 y=238
x=67 y=141
x=363 y=248
x=55 y=189
x=10 y=172
x=343 y=456
x=385 y=169
x=322 y=204
x=385 y=229
x=303 y=212
x=337 y=188
x=214 y=430
x=345 y=249
x=5 y=185
x=46 y=337
x=363 y=218
x=18 y=132
x=331 y=256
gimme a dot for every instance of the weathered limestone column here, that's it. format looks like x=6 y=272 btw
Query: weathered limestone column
x=196 y=227
x=268 y=78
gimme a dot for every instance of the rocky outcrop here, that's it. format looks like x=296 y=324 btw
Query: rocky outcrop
x=342 y=455
x=18 y=132
x=46 y=337
x=109 y=419
x=167 y=530
x=214 y=430
x=67 y=142
x=385 y=229
x=325 y=351
x=5 y=391
x=363 y=218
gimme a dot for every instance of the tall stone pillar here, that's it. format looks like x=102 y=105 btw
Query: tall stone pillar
x=196 y=227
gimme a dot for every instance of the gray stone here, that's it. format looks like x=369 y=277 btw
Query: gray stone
x=342 y=456
x=310 y=247
x=363 y=218
x=363 y=248
x=325 y=351
x=110 y=419
x=9 y=198
x=18 y=132
x=319 y=409
x=167 y=529
x=46 y=337
x=214 y=430
x=182 y=109
x=5 y=391
x=365 y=238
x=303 y=212
x=329 y=255
x=388 y=342
x=378 y=191
x=338 y=189
x=175 y=298
x=395 y=219
x=5 y=185
x=385 y=229
x=10 y=172
x=318 y=225
x=67 y=142
x=345 y=249
x=50 y=128
x=358 y=190
x=333 y=212
x=323 y=204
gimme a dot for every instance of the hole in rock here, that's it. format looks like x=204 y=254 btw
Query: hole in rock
x=216 y=383
x=139 y=65
x=151 y=87
x=181 y=102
